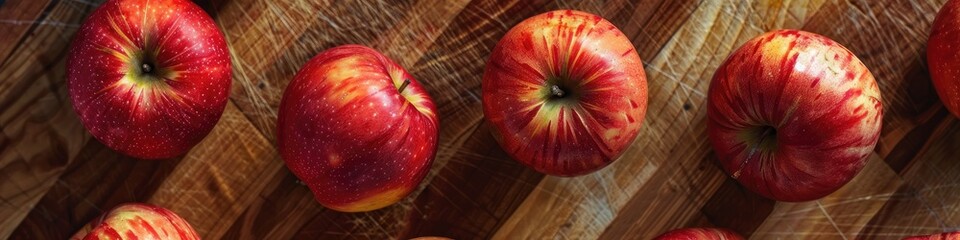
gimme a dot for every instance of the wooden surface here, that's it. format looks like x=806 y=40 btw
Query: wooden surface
x=54 y=177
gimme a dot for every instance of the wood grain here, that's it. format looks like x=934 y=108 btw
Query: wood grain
x=211 y=185
x=18 y=16
x=924 y=203
x=54 y=177
x=41 y=134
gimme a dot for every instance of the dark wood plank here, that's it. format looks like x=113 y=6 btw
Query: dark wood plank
x=212 y=185
x=18 y=18
x=736 y=208
x=95 y=181
x=927 y=201
x=466 y=200
x=459 y=206
x=40 y=132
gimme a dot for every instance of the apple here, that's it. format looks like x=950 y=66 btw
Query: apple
x=149 y=79
x=565 y=92
x=700 y=234
x=357 y=129
x=942 y=59
x=137 y=221
x=940 y=236
x=793 y=115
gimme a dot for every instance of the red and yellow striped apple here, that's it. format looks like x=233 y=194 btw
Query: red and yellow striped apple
x=565 y=92
x=137 y=221
x=793 y=115
x=943 y=55
x=700 y=234
x=357 y=129
x=149 y=79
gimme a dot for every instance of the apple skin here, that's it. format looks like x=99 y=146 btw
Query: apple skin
x=700 y=234
x=137 y=221
x=939 y=236
x=942 y=58
x=603 y=85
x=793 y=115
x=346 y=130
x=160 y=113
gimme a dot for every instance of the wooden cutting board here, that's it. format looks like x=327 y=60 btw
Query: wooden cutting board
x=54 y=177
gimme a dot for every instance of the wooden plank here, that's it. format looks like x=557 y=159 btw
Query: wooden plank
x=689 y=179
x=279 y=211
x=927 y=201
x=40 y=132
x=915 y=135
x=840 y=215
x=259 y=33
x=96 y=180
x=735 y=207
x=458 y=188
x=466 y=200
x=17 y=18
x=211 y=186
x=206 y=187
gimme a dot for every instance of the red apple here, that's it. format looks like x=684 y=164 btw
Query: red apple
x=149 y=78
x=943 y=48
x=700 y=234
x=565 y=92
x=940 y=236
x=137 y=221
x=357 y=129
x=793 y=115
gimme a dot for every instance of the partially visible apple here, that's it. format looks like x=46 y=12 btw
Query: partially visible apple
x=940 y=236
x=700 y=234
x=357 y=129
x=793 y=115
x=943 y=55
x=137 y=221
x=149 y=79
x=565 y=92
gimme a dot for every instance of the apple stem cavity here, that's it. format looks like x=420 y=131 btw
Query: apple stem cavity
x=146 y=68
x=763 y=144
x=403 y=85
x=556 y=91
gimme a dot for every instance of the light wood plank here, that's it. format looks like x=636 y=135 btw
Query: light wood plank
x=219 y=177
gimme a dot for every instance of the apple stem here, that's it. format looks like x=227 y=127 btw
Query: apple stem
x=403 y=85
x=556 y=91
x=754 y=150
x=146 y=68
